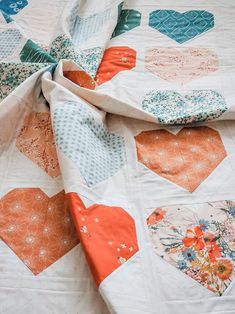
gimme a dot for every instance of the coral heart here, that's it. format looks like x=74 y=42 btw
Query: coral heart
x=181 y=65
x=198 y=239
x=36 y=141
x=128 y=20
x=181 y=27
x=9 y=41
x=107 y=234
x=115 y=60
x=87 y=142
x=186 y=158
x=172 y=108
x=39 y=229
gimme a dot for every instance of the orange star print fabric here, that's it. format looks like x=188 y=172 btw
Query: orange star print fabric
x=115 y=60
x=186 y=158
x=107 y=234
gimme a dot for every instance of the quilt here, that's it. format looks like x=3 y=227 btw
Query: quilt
x=117 y=157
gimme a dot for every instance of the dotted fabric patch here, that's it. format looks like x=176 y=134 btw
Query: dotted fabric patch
x=128 y=20
x=97 y=153
x=181 y=65
x=84 y=28
x=9 y=41
x=171 y=107
x=181 y=27
x=12 y=7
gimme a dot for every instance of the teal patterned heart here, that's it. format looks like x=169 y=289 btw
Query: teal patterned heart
x=170 y=107
x=128 y=20
x=9 y=41
x=181 y=27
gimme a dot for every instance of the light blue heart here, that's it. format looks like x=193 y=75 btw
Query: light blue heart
x=181 y=27
x=171 y=107
x=97 y=153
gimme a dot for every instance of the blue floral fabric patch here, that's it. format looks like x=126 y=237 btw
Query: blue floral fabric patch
x=181 y=27
x=87 y=142
x=12 y=7
x=170 y=107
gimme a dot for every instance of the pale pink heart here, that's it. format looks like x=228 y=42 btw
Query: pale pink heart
x=179 y=65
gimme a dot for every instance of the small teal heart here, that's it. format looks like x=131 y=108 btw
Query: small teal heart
x=181 y=27
x=171 y=107
x=97 y=153
x=9 y=41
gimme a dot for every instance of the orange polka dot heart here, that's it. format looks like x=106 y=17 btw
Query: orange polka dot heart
x=107 y=234
x=115 y=60
x=186 y=158
x=39 y=229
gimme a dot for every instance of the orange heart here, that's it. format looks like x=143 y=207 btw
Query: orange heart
x=115 y=60
x=186 y=158
x=107 y=234
x=36 y=141
x=39 y=229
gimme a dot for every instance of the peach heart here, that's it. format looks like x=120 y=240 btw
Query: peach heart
x=107 y=234
x=181 y=65
x=186 y=158
x=38 y=228
x=115 y=60
x=36 y=141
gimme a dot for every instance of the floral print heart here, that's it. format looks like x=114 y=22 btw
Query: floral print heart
x=171 y=107
x=197 y=239
x=181 y=27
x=181 y=65
x=115 y=60
x=97 y=153
x=36 y=141
x=107 y=234
x=186 y=158
x=38 y=228
x=128 y=20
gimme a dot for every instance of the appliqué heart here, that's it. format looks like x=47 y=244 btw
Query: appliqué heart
x=170 y=107
x=115 y=60
x=104 y=231
x=181 y=65
x=87 y=142
x=181 y=27
x=198 y=239
x=128 y=20
x=36 y=141
x=39 y=229
x=186 y=158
